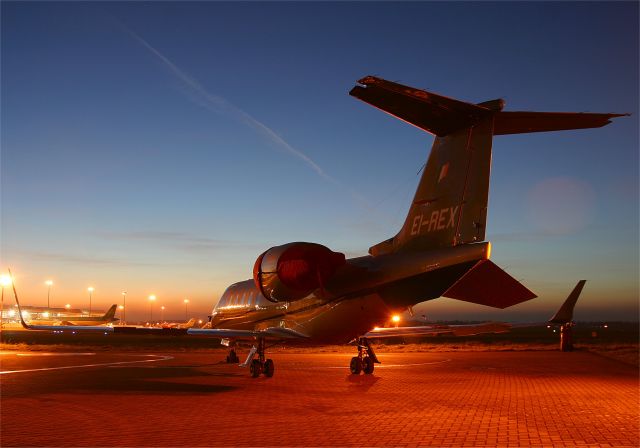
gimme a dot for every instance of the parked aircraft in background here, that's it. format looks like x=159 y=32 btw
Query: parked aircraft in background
x=181 y=325
x=106 y=318
x=307 y=292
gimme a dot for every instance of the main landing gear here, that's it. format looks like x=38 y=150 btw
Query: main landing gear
x=260 y=364
x=365 y=360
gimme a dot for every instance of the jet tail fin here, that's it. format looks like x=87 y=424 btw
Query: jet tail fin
x=487 y=284
x=111 y=312
x=565 y=313
x=450 y=204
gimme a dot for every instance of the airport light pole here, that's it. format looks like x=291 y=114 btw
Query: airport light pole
x=152 y=299
x=186 y=305
x=162 y=313
x=90 y=289
x=5 y=280
x=48 y=283
x=124 y=307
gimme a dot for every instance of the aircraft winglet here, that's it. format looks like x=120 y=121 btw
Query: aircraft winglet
x=565 y=313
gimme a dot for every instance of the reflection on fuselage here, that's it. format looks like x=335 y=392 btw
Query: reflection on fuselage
x=322 y=319
x=243 y=296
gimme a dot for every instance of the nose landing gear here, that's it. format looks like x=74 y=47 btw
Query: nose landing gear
x=365 y=360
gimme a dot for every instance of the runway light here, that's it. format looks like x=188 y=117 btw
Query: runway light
x=395 y=318
x=5 y=280
x=45 y=314
x=12 y=313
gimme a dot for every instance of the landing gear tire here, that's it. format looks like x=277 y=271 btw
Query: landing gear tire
x=232 y=357
x=255 y=369
x=268 y=368
x=367 y=365
x=355 y=366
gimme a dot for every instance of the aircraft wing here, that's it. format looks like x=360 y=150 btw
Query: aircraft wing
x=435 y=330
x=272 y=332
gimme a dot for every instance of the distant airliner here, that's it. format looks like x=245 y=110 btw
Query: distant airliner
x=305 y=291
x=106 y=318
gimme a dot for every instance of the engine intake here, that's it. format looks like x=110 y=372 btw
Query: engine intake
x=292 y=271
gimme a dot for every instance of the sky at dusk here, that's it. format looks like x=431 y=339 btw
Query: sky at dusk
x=160 y=147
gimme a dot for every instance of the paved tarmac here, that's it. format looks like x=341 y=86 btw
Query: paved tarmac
x=413 y=399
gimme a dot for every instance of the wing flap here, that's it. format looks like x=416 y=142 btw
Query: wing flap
x=272 y=332
x=436 y=330
x=487 y=284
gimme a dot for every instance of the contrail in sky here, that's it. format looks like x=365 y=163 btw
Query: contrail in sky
x=218 y=104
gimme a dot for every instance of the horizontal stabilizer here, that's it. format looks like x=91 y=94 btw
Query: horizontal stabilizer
x=487 y=284
x=433 y=113
x=523 y=122
x=442 y=116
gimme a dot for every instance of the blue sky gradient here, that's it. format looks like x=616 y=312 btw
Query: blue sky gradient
x=160 y=147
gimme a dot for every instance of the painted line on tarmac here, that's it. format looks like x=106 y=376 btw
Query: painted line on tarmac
x=55 y=354
x=160 y=358
x=410 y=365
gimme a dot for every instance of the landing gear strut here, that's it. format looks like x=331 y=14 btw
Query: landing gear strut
x=232 y=357
x=260 y=364
x=365 y=360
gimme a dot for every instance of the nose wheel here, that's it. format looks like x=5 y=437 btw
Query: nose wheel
x=365 y=360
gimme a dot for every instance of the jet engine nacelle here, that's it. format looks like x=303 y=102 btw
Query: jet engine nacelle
x=292 y=271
